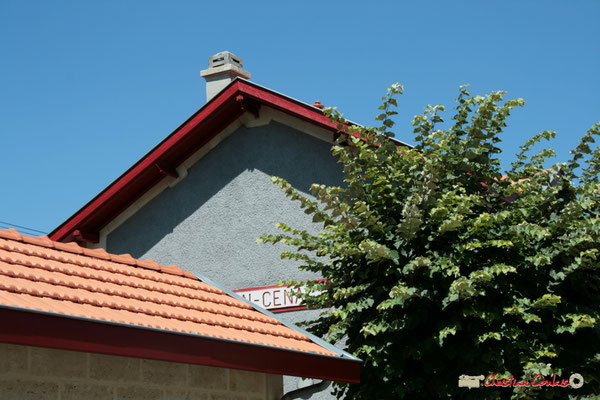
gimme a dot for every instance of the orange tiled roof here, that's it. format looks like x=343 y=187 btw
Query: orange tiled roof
x=37 y=273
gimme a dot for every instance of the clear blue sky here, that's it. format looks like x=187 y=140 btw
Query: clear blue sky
x=87 y=88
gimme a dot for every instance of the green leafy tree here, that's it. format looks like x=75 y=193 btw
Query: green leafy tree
x=438 y=263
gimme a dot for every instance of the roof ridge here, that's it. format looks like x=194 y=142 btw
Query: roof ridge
x=74 y=248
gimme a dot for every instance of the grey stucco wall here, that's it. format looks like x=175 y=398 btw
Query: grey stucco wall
x=210 y=221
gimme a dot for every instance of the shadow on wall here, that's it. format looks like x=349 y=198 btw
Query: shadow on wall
x=274 y=149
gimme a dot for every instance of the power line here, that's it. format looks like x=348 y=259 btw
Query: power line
x=22 y=227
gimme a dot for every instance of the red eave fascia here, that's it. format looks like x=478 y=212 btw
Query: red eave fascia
x=239 y=97
x=46 y=330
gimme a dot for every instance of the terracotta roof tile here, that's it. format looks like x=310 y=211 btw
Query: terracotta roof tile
x=122 y=258
x=172 y=269
x=151 y=264
x=71 y=247
x=39 y=274
x=40 y=240
x=10 y=234
x=97 y=253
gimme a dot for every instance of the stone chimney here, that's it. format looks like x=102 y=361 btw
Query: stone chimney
x=223 y=67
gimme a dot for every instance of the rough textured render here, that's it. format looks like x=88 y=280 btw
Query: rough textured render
x=48 y=374
x=210 y=221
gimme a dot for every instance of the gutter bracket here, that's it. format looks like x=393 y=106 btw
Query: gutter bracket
x=166 y=171
x=87 y=237
x=248 y=105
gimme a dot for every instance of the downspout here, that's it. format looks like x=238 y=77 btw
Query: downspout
x=306 y=391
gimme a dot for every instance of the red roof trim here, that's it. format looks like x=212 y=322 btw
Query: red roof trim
x=45 y=330
x=301 y=110
x=175 y=149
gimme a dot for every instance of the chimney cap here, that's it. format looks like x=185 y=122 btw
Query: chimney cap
x=225 y=62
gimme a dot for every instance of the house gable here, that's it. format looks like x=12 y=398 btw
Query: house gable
x=238 y=99
x=212 y=218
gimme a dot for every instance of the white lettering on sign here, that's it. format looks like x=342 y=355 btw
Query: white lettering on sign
x=273 y=297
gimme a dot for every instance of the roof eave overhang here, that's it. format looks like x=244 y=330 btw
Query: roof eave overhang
x=236 y=99
x=39 y=329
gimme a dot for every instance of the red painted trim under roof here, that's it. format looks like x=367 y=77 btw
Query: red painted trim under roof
x=240 y=96
x=44 y=330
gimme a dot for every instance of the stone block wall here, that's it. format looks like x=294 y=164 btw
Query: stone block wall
x=34 y=373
